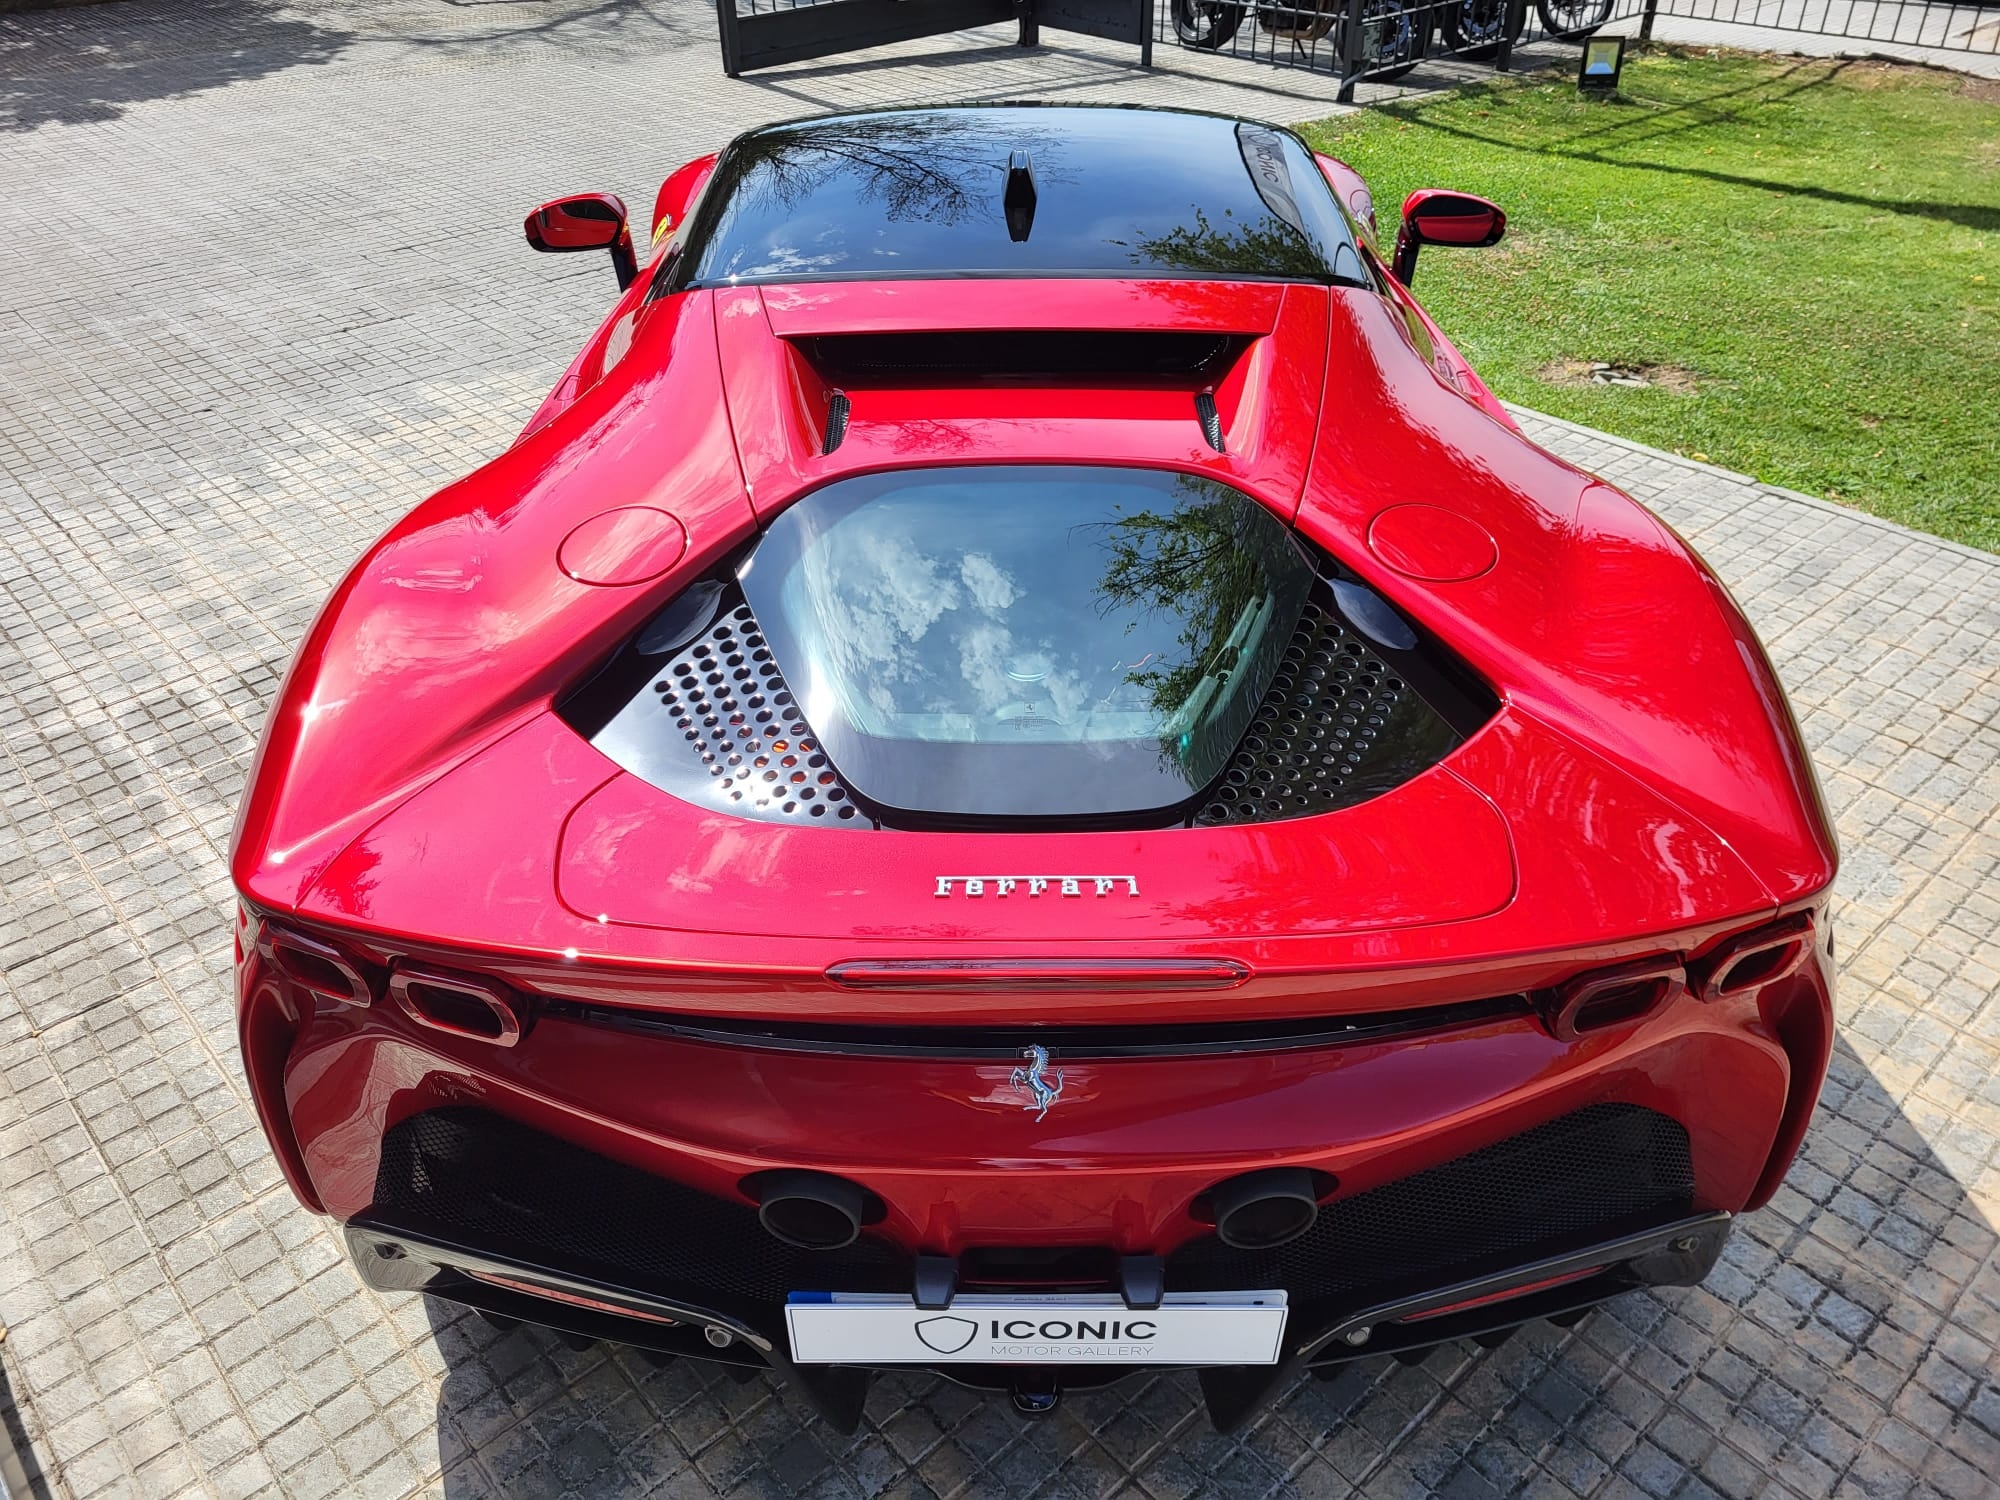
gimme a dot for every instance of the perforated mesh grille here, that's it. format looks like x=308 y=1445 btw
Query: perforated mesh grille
x=1338 y=726
x=1585 y=1177
x=487 y=1183
x=717 y=725
x=490 y=1184
x=728 y=700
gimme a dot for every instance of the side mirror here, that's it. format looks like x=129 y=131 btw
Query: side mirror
x=588 y=221
x=1432 y=216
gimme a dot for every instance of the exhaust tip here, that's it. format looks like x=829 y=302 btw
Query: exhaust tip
x=1263 y=1210
x=811 y=1210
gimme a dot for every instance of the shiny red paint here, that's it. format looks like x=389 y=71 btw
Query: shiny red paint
x=1642 y=791
x=677 y=195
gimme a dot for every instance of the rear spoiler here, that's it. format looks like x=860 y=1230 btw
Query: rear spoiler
x=1043 y=305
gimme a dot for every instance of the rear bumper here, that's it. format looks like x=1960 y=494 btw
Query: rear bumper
x=1679 y=1252
x=951 y=1147
x=1474 y=1154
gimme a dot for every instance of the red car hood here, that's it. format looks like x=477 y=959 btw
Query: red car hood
x=1643 y=775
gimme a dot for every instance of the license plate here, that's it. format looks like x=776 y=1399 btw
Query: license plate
x=1188 y=1328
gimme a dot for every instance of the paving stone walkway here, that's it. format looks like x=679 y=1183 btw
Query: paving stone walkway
x=261 y=288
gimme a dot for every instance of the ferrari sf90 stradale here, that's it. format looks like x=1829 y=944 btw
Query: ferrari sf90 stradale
x=1022 y=773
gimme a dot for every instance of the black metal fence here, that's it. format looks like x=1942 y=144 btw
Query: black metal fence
x=764 y=33
x=1959 y=27
x=1379 y=40
x=1353 y=40
x=1382 y=40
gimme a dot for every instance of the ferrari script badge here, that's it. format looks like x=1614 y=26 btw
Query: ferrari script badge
x=1036 y=885
x=1033 y=1080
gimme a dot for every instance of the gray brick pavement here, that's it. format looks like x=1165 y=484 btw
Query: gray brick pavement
x=261 y=289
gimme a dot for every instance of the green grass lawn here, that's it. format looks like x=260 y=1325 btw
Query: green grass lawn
x=1807 y=252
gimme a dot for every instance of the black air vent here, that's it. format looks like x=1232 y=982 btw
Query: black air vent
x=478 y=1179
x=1579 y=1179
x=1059 y=354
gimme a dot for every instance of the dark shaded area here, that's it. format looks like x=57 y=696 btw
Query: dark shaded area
x=20 y=1473
x=91 y=64
x=641 y=25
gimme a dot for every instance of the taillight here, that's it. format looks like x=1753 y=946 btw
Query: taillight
x=1611 y=997
x=459 y=1004
x=1039 y=974
x=1753 y=959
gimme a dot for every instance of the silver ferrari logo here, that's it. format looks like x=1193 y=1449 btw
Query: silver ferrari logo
x=1036 y=885
x=1033 y=1080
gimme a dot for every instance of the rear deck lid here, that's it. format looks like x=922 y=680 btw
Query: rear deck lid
x=1433 y=850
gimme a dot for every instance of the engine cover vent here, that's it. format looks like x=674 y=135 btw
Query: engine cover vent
x=889 y=358
x=717 y=726
x=1338 y=726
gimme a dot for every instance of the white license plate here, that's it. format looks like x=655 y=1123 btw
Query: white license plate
x=1189 y=1328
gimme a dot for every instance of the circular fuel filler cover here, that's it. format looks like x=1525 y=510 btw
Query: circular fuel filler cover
x=1431 y=543
x=624 y=546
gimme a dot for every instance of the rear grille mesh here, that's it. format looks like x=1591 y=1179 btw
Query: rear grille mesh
x=1337 y=727
x=490 y=1184
x=493 y=1186
x=1603 y=1171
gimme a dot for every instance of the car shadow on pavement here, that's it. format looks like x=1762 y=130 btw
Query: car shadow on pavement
x=21 y=1476
x=94 y=62
x=1841 y=1337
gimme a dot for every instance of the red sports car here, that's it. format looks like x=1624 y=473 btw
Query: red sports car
x=1022 y=773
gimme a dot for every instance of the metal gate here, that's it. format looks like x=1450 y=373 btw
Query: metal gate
x=764 y=33
x=1381 y=40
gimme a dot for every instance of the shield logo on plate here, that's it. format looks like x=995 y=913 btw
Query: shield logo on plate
x=946 y=1335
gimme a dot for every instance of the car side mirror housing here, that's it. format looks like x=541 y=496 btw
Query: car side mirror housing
x=1433 y=216
x=585 y=221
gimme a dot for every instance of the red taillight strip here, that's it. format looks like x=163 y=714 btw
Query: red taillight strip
x=1719 y=968
x=1502 y=1296
x=1040 y=974
x=574 y=1299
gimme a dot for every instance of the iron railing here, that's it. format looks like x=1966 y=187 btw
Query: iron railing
x=1382 y=40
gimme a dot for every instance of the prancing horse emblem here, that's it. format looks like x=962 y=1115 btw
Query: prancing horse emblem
x=1034 y=1079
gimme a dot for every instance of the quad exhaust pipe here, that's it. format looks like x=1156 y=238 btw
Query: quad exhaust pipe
x=1263 y=1210
x=811 y=1210
x=818 y=1211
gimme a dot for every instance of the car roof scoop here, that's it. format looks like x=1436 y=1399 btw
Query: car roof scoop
x=1018 y=204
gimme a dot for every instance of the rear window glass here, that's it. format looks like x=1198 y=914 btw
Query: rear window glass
x=1105 y=192
x=1028 y=641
